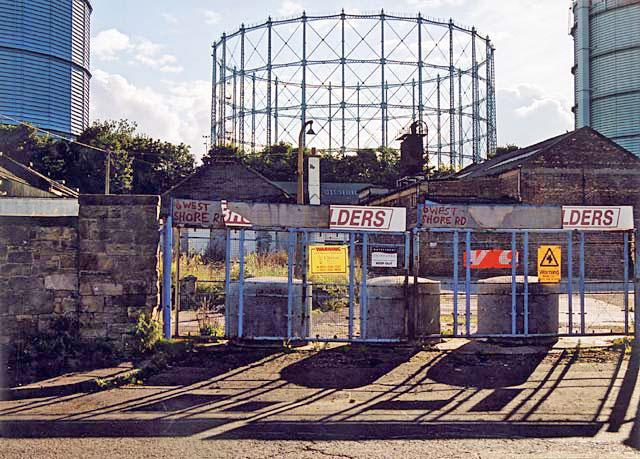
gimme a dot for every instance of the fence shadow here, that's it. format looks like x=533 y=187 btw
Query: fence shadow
x=345 y=367
x=629 y=382
x=212 y=365
x=471 y=366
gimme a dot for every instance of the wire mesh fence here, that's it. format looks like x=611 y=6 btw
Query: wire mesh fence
x=484 y=292
x=354 y=285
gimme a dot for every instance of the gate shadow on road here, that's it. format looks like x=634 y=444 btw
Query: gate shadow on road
x=469 y=366
x=629 y=383
x=433 y=401
x=345 y=367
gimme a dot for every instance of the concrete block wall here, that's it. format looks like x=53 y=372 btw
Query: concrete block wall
x=38 y=273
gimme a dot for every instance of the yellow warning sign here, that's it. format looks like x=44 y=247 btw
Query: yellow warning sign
x=328 y=259
x=549 y=263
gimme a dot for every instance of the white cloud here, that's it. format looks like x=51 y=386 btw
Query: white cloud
x=170 y=18
x=290 y=8
x=527 y=114
x=211 y=17
x=108 y=43
x=179 y=112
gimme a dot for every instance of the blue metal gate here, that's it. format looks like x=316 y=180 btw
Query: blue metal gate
x=272 y=294
x=595 y=300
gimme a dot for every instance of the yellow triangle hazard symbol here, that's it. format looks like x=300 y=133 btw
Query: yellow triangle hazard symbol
x=549 y=260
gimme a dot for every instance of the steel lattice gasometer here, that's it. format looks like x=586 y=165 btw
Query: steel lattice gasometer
x=362 y=78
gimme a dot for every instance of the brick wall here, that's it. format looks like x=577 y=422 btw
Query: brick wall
x=100 y=267
x=604 y=253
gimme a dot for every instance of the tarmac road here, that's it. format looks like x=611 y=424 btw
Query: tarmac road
x=349 y=403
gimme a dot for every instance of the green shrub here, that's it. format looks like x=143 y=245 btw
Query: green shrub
x=146 y=335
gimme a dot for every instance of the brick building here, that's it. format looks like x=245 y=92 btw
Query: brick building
x=581 y=167
x=226 y=178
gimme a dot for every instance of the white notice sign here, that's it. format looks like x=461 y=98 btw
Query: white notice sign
x=384 y=260
x=597 y=218
x=368 y=218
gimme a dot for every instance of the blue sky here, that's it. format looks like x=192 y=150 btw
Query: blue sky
x=151 y=59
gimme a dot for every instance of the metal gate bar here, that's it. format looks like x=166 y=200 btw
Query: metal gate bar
x=514 y=263
x=626 y=283
x=526 y=282
x=352 y=254
x=363 y=290
x=290 y=255
x=582 y=311
x=569 y=282
x=455 y=282
x=227 y=283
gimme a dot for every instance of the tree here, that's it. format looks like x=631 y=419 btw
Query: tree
x=158 y=165
x=139 y=164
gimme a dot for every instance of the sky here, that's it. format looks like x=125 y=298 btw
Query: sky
x=151 y=59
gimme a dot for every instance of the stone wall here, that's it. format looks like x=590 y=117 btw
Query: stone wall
x=100 y=267
x=38 y=273
x=118 y=262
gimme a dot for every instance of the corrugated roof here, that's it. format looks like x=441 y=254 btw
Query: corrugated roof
x=34 y=178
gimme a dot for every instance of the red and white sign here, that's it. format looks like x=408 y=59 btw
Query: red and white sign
x=190 y=212
x=368 y=218
x=232 y=218
x=487 y=259
x=597 y=218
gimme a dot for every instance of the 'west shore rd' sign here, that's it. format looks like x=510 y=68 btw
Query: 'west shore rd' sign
x=392 y=219
x=189 y=212
x=489 y=216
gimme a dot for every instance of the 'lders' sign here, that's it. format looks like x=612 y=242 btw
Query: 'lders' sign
x=597 y=218
x=368 y=218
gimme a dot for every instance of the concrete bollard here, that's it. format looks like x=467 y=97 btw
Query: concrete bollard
x=265 y=308
x=495 y=304
x=387 y=313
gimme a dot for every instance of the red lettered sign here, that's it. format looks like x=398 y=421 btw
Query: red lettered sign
x=597 y=217
x=189 y=212
x=486 y=259
x=368 y=218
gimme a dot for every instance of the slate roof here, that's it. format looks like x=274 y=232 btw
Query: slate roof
x=330 y=192
x=511 y=160
x=18 y=172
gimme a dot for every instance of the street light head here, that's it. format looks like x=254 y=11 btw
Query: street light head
x=311 y=131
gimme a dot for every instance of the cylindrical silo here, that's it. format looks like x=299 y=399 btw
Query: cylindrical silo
x=607 y=68
x=44 y=63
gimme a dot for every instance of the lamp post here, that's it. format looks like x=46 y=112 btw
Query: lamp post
x=300 y=199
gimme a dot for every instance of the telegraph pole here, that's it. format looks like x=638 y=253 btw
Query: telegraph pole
x=107 y=173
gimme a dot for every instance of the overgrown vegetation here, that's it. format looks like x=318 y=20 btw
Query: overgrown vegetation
x=139 y=164
x=147 y=334
x=41 y=355
x=330 y=292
